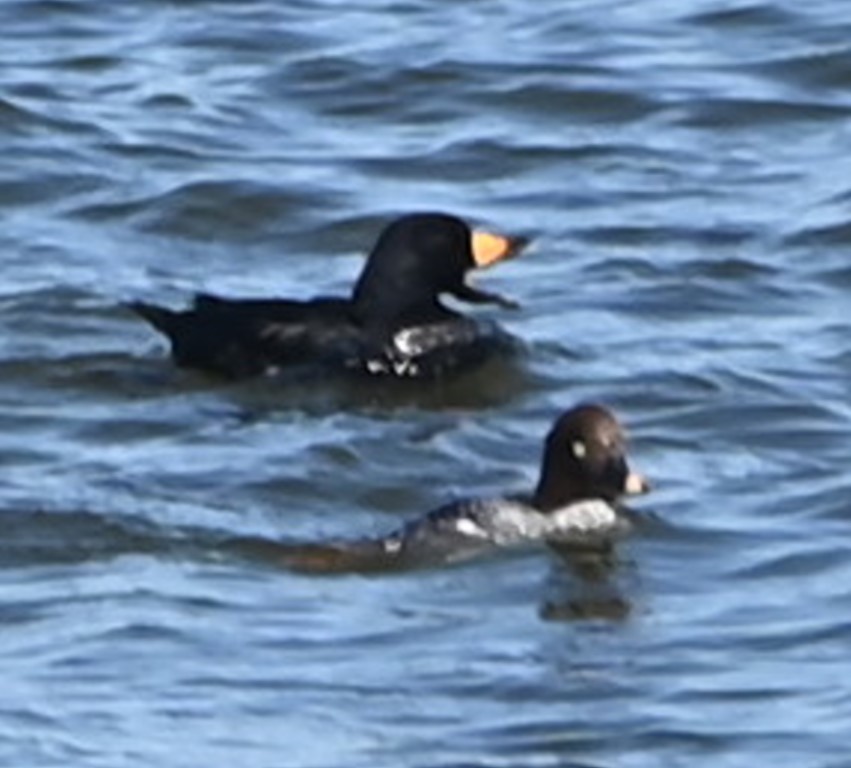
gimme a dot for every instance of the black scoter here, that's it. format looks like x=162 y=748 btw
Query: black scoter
x=393 y=324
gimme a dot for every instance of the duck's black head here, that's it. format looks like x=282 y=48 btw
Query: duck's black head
x=419 y=256
x=585 y=458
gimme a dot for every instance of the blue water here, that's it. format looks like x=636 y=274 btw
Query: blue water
x=684 y=169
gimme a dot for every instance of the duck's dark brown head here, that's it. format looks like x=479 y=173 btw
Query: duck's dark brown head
x=585 y=458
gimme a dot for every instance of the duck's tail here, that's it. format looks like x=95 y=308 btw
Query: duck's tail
x=164 y=320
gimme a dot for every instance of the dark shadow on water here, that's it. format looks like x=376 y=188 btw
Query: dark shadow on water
x=584 y=585
x=493 y=384
x=41 y=537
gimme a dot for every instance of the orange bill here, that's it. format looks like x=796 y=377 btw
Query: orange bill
x=489 y=248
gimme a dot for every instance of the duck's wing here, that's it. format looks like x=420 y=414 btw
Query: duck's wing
x=245 y=337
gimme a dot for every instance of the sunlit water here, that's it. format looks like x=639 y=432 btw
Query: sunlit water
x=686 y=171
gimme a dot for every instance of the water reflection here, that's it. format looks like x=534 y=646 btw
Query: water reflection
x=584 y=584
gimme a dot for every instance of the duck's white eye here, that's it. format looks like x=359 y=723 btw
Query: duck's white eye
x=580 y=450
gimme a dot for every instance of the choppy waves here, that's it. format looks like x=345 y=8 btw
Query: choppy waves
x=685 y=172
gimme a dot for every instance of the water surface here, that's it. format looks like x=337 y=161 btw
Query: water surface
x=685 y=169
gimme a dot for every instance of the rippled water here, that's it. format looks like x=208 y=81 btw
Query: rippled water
x=685 y=169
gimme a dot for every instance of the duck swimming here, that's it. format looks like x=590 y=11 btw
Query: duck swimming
x=584 y=472
x=393 y=324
